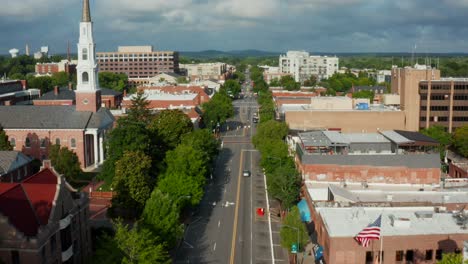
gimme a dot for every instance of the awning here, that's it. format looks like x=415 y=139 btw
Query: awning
x=304 y=210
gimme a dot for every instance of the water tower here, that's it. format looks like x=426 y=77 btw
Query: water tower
x=14 y=53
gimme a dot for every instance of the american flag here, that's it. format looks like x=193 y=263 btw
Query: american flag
x=371 y=232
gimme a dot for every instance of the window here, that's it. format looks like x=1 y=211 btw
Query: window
x=13 y=142
x=85 y=77
x=399 y=255
x=84 y=54
x=438 y=254
x=369 y=256
x=73 y=143
x=43 y=143
x=429 y=254
x=409 y=255
x=57 y=141
x=27 y=142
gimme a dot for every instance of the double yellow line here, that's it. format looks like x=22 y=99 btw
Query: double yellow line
x=236 y=213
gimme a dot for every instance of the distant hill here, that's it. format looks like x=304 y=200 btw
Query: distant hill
x=207 y=54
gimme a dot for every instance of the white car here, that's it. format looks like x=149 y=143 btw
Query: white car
x=246 y=173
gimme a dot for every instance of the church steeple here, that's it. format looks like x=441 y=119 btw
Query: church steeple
x=86 y=13
x=88 y=95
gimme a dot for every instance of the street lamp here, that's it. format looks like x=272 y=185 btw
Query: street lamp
x=297 y=231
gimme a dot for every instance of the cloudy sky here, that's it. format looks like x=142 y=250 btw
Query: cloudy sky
x=271 y=25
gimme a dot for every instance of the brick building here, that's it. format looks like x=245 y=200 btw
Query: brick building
x=55 y=67
x=44 y=220
x=14 y=166
x=82 y=127
x=385 y=157
x=67 y=96
x=138 y=62
x=458 y=165
x=206 y=71
x=409 y=234
x=444 y=102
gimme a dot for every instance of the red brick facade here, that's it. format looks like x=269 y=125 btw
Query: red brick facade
x=41 y=140
x=88 y=101
x=371 y=174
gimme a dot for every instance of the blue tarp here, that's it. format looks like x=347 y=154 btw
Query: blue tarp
x=304 y=210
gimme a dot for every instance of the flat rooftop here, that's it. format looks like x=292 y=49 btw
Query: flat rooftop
x=396 y=221
x=167 y=97
x=307 y=108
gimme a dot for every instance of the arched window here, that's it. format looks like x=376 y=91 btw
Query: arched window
x=85 y=77
x=84 y=54
x=43 y=143
x=73 y=143
x=13 y=142
x=57 y=141
x=27 y=142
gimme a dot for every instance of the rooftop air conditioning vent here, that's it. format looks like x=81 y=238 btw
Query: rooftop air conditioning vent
x=423 y=214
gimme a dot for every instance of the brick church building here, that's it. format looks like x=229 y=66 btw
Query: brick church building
x=32 y=129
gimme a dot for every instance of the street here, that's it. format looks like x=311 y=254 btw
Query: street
x=226 y=228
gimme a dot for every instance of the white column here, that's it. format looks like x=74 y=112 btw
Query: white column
x=95 y=147
x=101 y=147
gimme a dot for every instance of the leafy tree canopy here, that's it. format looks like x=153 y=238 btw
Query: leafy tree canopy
x=114 y=81
x=161 y=217
x=65 y=162
x=438 y=133
x=365 y=94
x=170 y=125
x=460 y=140
x=217 y=110
x=139 y=109
x=4 y=142
x=452 y=258
x=270 y=130
x=182 y=79
x=284 y=184
x=203 y=141
x=132 y=180
x=232 y=87
x=288 y=83
x=293 y=229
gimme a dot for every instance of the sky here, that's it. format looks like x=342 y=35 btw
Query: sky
x=334 y=26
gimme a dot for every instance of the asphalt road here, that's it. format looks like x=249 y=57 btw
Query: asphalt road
x=226 y=228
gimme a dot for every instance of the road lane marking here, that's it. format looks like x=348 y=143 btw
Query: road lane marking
x=214 y=248
x=219 y=223
x=269 y=221
x=251 y=213
x=236 y=213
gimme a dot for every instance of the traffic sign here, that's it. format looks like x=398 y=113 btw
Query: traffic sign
x=294 y=248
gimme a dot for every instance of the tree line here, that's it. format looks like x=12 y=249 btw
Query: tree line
x=282 y=178
x=457 y=140
x=158 y=165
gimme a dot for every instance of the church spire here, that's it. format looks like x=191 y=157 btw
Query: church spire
x=86 y=13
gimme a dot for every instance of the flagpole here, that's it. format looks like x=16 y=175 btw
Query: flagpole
x=381 y=240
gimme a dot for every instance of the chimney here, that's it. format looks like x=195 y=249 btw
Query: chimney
x=70 y=86
x=56 y=90
x=24 y=83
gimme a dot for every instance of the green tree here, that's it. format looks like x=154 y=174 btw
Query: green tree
x=452 y=258
x=129 y=135
x=460 y=140
x=138 y=246
x=284 y=184
x=275 y=83
x=232 y=87
x=293 y=229
x=203 y=141
x=60 y=79
x=107 y=250
x=288 y=83
x=270 y=130
x=217 y=110
x=65 y=162
x=114 y=81
x=312 y=81
x=365 y=94
x=44 y=83
x=4 y=142
x=139 y=109
x=170 y=126
x=132 y=181
x=182 y=80
x=186 y=173
x=438 y=133
x=161 y=217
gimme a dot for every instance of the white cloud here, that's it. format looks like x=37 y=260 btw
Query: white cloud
x=30 y=9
